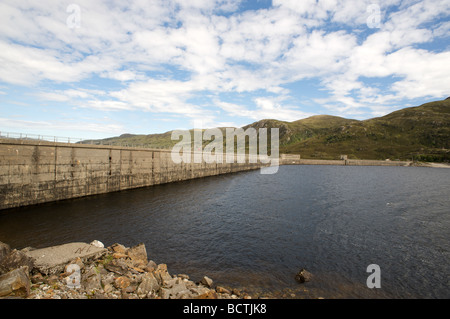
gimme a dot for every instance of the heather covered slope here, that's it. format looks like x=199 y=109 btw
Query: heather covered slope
x=419 y=133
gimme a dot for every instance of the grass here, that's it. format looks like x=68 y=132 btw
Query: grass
x=415 y=133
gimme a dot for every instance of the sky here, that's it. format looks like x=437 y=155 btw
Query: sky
x=96 y=69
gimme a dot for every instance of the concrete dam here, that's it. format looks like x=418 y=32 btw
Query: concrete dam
x=35 y=172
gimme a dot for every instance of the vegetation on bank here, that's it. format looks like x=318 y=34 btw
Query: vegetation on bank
x=416 y=133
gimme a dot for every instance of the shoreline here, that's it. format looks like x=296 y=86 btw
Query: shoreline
x=353 y=162
x=92 y=271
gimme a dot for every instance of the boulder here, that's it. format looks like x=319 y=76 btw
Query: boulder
x=118 y=248
x=138 y=255
x=303 y=276
x=97 y=243
x=4 y=250
x=149 y=284
x=91 y=279
x=222 y=290
x=151 y=266
x=208 y=295
x=174 y=289
x=15 y=283
x=206 y=281
x=162 y=275
x=13 y=260
x=122 y=282
x=118 y=266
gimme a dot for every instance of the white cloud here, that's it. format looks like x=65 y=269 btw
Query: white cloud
x=145 y=46
x=62 y=126
x=266 y=108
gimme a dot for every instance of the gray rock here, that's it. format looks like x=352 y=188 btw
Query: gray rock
x=4 y=250
x=138 y=255
x=222 y=290
x=52 y=260
x=117 y=266
x=197 y=291
x=162 y=275
x=151 y=266
x=206 y=281
x=303 y=276
x=91 y=279
x=15 y=259
x=149 y=284
x=108 y=279
x=118 y=248
x=97 y=243
x=15 y=283
x=174 y=289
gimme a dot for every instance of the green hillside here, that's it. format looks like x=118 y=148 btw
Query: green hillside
x=420 y=133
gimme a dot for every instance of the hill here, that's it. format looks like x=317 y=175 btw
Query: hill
x=420 y=133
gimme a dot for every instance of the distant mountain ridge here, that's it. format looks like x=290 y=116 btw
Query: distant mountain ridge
x=419 y=133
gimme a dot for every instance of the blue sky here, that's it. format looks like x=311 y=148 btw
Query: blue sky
x=96 y=69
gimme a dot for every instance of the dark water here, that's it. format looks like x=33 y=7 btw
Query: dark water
x=256 y=231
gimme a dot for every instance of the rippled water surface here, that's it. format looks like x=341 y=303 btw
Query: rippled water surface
x=256 y=231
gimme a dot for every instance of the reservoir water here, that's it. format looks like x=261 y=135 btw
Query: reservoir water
x=255 y=232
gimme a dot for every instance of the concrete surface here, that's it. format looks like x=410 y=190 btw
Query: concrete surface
x=53 y=259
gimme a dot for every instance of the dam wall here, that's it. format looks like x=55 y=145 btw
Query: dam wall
x=291 y=160
x=34 y=172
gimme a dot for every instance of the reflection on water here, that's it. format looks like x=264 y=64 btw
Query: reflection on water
x=256 y=231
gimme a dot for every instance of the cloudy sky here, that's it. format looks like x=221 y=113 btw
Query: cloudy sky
x=94 y=69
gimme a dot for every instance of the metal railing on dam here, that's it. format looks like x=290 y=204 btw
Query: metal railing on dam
x=61 y=139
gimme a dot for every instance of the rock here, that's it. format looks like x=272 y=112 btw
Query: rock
x=151 y=266
x=236 y=291
x=77 y=262
x=4 y=250
x=119 y=255
x=303 y=276
x=206 y=281
x=91 y=279
x=149 y=284
x=51 y=280
x=118 y=248
x=222 y=290
x=52 y=260
x=183 y=276
x=161 y=274
x=37 y=278
x=108 y=279
x=125 y=273
x=208 y=295
x=197 y=291
x=97 y=243
x=138 y=254
x=118 y=266
x=15 y=259
x=15 y=283
x=122 y=282
x=174 y=289
x=108 y=288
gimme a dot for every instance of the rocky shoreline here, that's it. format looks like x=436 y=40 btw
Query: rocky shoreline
x=92 y=271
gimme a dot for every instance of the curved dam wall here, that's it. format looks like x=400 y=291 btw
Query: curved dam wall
x=34 y=172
